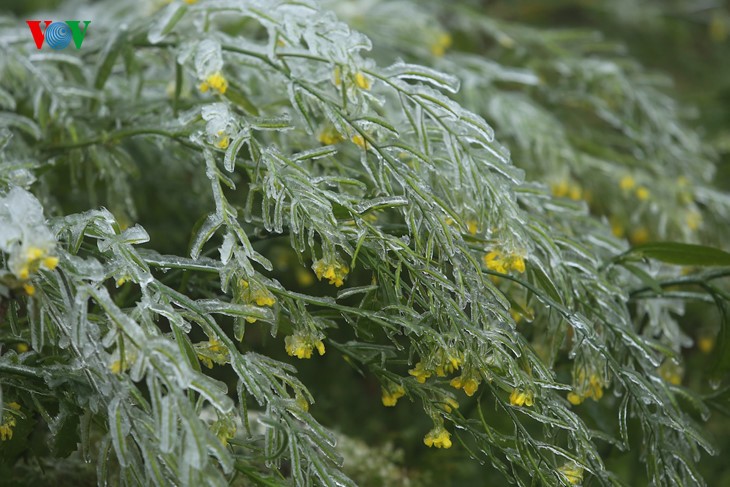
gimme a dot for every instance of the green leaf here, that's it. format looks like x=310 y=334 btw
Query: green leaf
x=645 y=278
x=546 y=284
x=67 y=435
x=168 y=20
x=108 y=58
x=682 y=254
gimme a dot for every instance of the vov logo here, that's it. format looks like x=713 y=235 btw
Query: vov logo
x=58 y=35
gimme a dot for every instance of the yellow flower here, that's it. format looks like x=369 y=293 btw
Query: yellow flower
x=223 y=140
x=29 y=289
x=216 y=82
x=574 y=398
x=34 y=253
x=22 y=347
x=6 y=428
x=693 y=220
x=337 y=76
x=438 y=437
x=454 y=362
x=440 y=44
x=212 y=351
x=449 y=404
x=471 y=225
x=642 y=193
x=495 y=262
x=255 y=293
x=468 y=383
x=50 y=263
x=639 y=236
x=333 y=270
x=330 y=136
x=301 y=346
x=616 y=228
x=130 y=356
x=304 y=277
x=592 y=389
x=565 y=188
x=116 y=366
x=521 y=398
x=360 y=141
x=627 y=183
x=361 y=81
x=260 y=295
x=392 y=394
x=671 y=372
x=560 y=189
x=35 y=259
x=595 y=390
x=498 y=262
x=301 y=401
x=420 y=373
x=572 y=473
x=706 y=344
x=575 y=193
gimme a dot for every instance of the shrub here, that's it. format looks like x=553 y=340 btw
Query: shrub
x=208 y=193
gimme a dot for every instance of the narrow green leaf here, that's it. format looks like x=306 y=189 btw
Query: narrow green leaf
x=682 y=254
x=168 y=20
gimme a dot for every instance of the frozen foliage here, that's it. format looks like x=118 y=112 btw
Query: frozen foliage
x=278 y=124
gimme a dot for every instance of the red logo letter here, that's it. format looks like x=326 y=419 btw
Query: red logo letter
x=35 y=29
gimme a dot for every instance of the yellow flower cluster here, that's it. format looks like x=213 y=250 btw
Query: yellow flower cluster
x=706 y=344
x=564 y=188
x=301 y=346
x=449 y=404
x=224 y=429
x=257 y=293
x=438 y=438
x=468 y=382
x=391 y=394
x=572 y=473
x=420 y=372
x=301 y=401
x=472 y=226
x=210 y=352
x=330 y=136
x=593 y=389
x=333 y=270
x=446 y=362
x=360 y=141
x=34 y=258
x=671 y=372
x=521 y=397
x=6 y=428
x=223 y=140
x=693 y=220
x=499 y=262
x=627 y=183
x=129 y=358
x=215 y=82
x=441 y=44
x=359 y=79
x=639 y=236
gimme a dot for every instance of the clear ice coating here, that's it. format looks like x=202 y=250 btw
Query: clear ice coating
x=208 y=58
